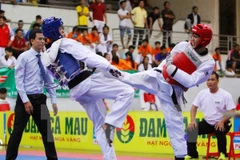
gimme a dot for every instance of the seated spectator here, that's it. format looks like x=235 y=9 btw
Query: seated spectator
x=114 y=51
x=85 y=40
x=105 y=40
x=128 y=63
x=213 y=101
x=35 y=26
x=144 y=66
x=20 y=26
x=94 y=36
x=160 y=57
x=235 y=58
x=18 y=44
x=116 y=62
x=107 y=56
x=238 y=104
x=74 y=34
x=171 y=46
x=157 y=49
x=147 y=100
x=145 y=50
x=4 y=102
x=8 y=60
x=217 y=57
x=38 y=20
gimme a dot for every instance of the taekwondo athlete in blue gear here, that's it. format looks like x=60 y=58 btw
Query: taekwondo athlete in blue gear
x=62 y=59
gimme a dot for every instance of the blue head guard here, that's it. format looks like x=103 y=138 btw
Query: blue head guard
x=50 y=28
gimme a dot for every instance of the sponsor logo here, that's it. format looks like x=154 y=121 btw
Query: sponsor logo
x=10 y=123
x=126 y=133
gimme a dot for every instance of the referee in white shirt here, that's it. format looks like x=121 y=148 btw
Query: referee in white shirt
x=213 y=101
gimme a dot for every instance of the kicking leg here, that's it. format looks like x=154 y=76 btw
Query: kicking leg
x=141 y=80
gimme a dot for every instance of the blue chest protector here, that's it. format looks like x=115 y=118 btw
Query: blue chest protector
x=65 y=68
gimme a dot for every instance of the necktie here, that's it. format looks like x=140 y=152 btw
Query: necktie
x=43 y=72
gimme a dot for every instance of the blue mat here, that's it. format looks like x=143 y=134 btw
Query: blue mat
x=25 y=157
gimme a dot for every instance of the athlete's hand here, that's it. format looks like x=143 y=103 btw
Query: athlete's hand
x=114 y=71
x=192 y=126
x=171 y=70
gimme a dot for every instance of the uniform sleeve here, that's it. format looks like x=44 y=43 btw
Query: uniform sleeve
x=229 y=102
x=20 y=70
x=199 y=76
x=197 y=100
x=79 y=52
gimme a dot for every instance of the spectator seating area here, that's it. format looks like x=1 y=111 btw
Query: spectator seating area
x=127 y=57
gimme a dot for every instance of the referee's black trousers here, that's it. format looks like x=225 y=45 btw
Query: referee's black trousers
x=204 y=128
x=41 y=117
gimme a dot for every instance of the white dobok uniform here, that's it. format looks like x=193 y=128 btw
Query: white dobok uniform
x=90 y=92
x=154 y=82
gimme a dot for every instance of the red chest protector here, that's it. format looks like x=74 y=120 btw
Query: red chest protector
x=188 y=62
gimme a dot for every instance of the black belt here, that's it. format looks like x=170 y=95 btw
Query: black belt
x=174 y=97
x=35 y=95
x=79 y=78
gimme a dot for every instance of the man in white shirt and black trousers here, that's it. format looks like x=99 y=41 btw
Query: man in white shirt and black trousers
x=213 y=101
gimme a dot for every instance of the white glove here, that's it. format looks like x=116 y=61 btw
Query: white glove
x=171 y=70
x=114 y=71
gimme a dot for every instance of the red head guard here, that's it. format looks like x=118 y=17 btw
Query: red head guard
x=204 y=32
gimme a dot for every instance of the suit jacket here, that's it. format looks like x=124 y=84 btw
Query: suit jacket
x=190 y=16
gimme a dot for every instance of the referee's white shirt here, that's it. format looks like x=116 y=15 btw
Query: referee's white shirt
x=214 y=104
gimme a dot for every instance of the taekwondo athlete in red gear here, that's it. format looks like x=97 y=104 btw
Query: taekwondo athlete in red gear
x=63 y=58
x=188 y=65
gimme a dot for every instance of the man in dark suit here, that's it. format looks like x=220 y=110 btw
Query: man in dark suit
x=192 y=19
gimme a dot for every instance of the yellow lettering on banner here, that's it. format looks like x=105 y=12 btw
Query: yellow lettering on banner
x=33 y=137
x=74 y=130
